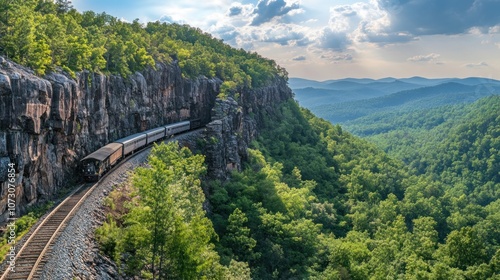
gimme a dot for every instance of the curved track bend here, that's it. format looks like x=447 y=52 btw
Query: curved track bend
x=35 y=252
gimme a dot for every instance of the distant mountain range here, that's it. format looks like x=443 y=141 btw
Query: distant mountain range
x=347 y=99
x=330 y=84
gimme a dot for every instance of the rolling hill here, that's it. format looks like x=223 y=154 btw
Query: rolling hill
x=348 y=99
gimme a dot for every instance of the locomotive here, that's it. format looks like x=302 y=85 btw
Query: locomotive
x=102 y=160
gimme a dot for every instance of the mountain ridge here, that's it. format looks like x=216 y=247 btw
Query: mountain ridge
x=295 y=82
x=352 y=100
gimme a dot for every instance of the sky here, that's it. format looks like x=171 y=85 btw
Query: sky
x=332 y=39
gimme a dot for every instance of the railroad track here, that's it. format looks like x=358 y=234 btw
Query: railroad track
x=34 y=253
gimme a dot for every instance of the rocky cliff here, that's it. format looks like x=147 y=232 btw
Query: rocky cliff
x=47 y=124
x=235 y=123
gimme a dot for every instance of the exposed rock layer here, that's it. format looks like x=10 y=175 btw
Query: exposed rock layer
x=236 y=123
x=47 y=124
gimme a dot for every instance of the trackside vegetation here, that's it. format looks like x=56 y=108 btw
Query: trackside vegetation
x=158 y=229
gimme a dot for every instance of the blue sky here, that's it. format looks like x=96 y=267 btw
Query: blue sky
x=320 y=39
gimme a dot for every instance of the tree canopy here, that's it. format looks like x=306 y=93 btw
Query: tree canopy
x=162 y=231
x=44 y=35
x=316 y=202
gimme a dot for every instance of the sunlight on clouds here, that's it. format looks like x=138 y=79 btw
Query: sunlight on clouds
x=354 y=36
x=494 y=29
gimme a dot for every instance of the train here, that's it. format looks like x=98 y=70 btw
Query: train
x=99 y=162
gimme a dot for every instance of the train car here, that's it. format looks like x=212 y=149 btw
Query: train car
x=155 y=134
x=98 y=162
x=196 y=123
x=132 y=142
x=175 y=128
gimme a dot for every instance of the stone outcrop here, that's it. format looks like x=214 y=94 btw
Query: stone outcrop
x=47 y=124
x=235 y=123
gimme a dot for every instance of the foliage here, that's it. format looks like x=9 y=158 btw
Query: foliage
x=164 y=232
x=44 y=35
x=316 y=202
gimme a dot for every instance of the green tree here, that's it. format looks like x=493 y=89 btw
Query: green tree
x=166 y=232
x=63 y=6
x=238 y=237
x=465 y=248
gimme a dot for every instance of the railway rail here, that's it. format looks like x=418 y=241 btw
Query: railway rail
x=34 y=253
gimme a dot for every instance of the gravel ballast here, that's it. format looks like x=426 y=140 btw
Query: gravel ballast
x=75 y=254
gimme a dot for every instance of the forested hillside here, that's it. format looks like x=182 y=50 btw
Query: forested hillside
x=45 y=35
x=421 y=98
x=315 y=202
x=347 y=100
x=457 y=145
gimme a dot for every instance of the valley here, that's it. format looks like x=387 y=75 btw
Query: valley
x=344 y=101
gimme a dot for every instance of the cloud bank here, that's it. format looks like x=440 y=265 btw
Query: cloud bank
x=425 y=58
x=339 y=33
x=431 y=17
x=266 y=10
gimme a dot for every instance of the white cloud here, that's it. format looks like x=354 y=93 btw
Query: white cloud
x=333 y=40
x=365 y=22
x=267 y=10
x=166 y=18
x=432 y=57
x=494 y=29
x=299 y=58
x=337 y=57
x=477 y=65
x=239 y=11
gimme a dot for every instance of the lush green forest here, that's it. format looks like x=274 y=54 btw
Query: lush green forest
x=315 y=202
x=319 y=203
x=156 y=225
x=46 y=34
x=457 y=145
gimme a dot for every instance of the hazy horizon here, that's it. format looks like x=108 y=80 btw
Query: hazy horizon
x=396 y=78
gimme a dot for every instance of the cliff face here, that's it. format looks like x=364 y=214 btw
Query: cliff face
x=47 y=124
x=235 y=123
